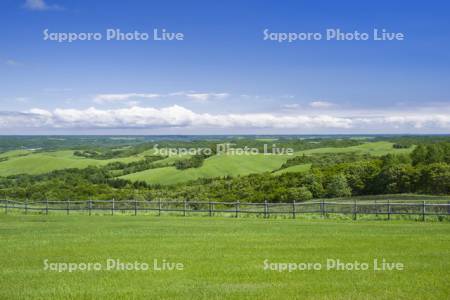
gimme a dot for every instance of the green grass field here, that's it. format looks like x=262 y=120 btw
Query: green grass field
x=215 y=166
x=29 y=162
x=222 y=257
x=223 y=165
x=372 y=148
x=23 y=161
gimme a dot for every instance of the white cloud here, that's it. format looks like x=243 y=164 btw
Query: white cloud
x=40 y=5
x=40 y=112
x=250 y=97
x=176 y=116
x=291 y=106
x=207 y=96
x=201 y=97
x=105 y=98
x=179 y=117
x=321 y=104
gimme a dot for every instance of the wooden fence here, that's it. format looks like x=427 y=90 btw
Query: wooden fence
x=265 y=209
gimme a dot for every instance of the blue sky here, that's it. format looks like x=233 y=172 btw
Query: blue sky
x=224 y=77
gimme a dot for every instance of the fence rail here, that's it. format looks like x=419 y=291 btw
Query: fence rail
x=265 y=209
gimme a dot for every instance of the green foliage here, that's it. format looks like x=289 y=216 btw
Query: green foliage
x=337 y=186
x=195 y=161
x=432 y=153
x=435 y=178
x=317 y=172
x=122 y=168
x=324 y=159
x=299 y=194
x=401 y=178
x=401 y=146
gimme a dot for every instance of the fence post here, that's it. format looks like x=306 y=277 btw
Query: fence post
x=423 y=210
x=322 y=208
x=237 y=209
x=112 y=207
x=266 y=209
x=135 y=207
x=185 y=207
x=26 y=206
x=293 y=209
x=210 y=209
x=46 y=205
x=68 y=207
x=90 y=206
x=6 y=206
x=389 y=209
x=376 y=208
x=355 y=210
x=159 y=206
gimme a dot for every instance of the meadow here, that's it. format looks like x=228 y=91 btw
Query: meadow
x=29 y=162
x=38 y=162
x=222 y=257
x=240 y=165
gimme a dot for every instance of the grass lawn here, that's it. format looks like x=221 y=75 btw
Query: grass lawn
x=222 y=257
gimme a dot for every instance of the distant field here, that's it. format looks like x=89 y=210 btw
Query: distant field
x=29 y=162
x=224 y=165
x=222 y=258
x=372 y=148
x=215 y=166
x=35 y=163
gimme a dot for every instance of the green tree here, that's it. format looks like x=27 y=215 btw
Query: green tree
x=337 y=186
x=299 y=194
x=435 y=178
x=419 y=155
x=400 y=178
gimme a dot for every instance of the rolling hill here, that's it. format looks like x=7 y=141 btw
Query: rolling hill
x=224 y=165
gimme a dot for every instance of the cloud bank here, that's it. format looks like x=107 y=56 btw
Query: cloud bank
x=179 y=117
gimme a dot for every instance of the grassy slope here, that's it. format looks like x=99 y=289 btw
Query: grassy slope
x=223 y=258
x=372 y=148
x=14 y=153
x=215 y=166
x=35 y=163
x=243 y=165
